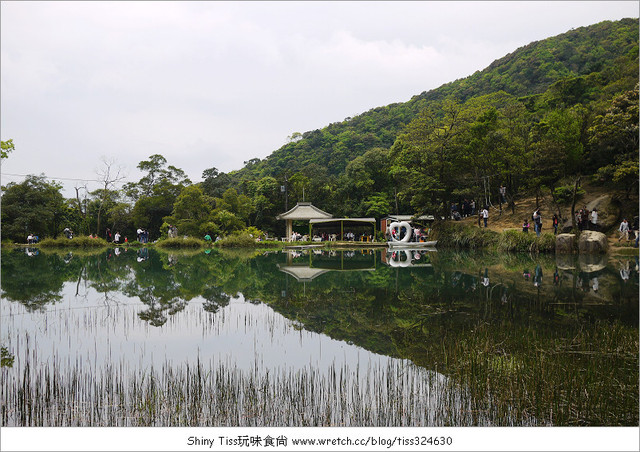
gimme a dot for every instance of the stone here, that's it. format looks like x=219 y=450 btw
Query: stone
x=592 y=242
x=608 y=212
x=565 y=243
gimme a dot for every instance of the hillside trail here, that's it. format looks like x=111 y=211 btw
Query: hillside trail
x=524 y=207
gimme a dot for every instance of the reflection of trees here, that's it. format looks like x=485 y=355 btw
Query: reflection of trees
x=215 y=299
x=6 y=357
x=34 y=281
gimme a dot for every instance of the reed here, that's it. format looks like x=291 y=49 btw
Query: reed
x=398 y=394
x=452 y=235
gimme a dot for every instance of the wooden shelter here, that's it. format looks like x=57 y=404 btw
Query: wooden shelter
x=304 y=211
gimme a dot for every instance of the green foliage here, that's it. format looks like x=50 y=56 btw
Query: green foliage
x=242 y=239
x=32 y=206
x=191 y=212
x=76 y=242
x=555 y=109
x=6 y=147
x=189 y=242
x=518 y=241
x=454 y=235
x=564 y=194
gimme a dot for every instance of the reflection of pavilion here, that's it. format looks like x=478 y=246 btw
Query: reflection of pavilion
x=319 y=263
x=303 y=273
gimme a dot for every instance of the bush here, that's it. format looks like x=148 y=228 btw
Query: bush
x=189 y=242
x=246 y=239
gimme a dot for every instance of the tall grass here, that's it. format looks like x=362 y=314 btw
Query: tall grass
x=399 y=394
x=518 y=241
x=588 y=379
x=76 y=242
x=452 y=235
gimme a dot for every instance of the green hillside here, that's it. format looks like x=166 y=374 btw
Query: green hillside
x=564 y=82
x=542 y=121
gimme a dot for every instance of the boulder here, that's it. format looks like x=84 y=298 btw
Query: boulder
x=608 y=212
x=592 y=242
x=565 y=243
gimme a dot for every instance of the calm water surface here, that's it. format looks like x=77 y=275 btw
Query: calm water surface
x=368 y=336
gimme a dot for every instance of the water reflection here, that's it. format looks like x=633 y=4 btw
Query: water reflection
x=506 y=320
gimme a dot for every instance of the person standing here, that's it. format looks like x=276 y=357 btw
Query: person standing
x=537 y=222
x=525 y=225
x=594 y=219
x=503 y=194
x=107 y=235
x=485 y=216
x=555 y=221
x=624 y=230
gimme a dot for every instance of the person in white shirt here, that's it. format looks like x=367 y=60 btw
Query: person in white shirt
x=624 y=230
x=594 y=220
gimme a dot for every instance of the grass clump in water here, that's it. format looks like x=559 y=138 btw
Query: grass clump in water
x=187 y=242
x=452 y=235
x=77 y=242
x=521 y=242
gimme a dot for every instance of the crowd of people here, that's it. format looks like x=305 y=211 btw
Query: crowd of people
x=587 y=220
x=463 y=209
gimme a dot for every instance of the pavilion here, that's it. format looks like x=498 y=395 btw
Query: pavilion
x=302 y=211
x=320 y=219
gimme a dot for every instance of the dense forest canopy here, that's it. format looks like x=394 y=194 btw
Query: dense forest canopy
x=535 y=120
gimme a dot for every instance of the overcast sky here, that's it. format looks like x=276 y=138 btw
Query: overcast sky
x=213 y=84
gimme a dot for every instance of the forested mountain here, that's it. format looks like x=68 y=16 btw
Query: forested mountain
x=346 y=167
x=538 y=120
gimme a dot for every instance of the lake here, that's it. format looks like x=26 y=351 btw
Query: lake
x=310 y=337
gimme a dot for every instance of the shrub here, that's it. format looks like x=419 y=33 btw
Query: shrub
x=188 y=242
x=452 y=235
x=78 y=242
x=246 y=238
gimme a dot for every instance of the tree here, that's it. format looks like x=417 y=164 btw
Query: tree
x=238 y=204
x=6 y=147
x=109 y=174
x=191 y=211
x=215 y=183
x=156 y=175
x=32 y=206
x=427 y=157
x=155 y=193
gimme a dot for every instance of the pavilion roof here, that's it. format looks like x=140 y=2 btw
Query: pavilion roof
x=304 y=211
